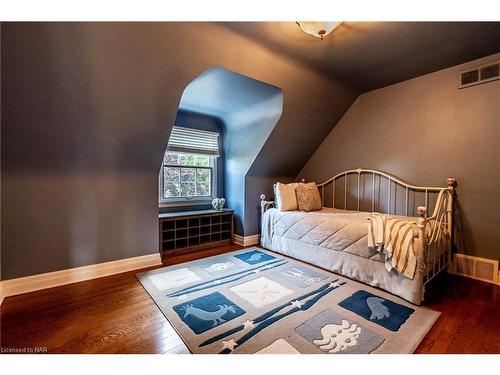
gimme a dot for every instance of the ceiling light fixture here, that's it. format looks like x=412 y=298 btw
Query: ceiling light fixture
x=318 y=29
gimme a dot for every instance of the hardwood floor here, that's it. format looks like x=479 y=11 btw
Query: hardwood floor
x=115 y=315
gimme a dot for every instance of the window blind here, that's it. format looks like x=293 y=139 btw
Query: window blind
x=193 y=141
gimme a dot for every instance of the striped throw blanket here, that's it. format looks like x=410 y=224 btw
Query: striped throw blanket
x=394 y=237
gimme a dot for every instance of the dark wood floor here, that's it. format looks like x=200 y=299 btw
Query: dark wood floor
x=115 y=315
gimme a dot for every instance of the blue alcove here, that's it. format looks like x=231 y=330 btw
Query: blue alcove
x=248 y=110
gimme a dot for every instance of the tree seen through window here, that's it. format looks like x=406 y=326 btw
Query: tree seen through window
x=187 y=175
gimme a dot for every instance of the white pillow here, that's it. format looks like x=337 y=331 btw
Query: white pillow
x=286 y=199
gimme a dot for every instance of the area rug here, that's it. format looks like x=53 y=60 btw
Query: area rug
x=257 y=301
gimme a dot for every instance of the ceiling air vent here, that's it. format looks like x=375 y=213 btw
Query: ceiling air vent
x=482 y=74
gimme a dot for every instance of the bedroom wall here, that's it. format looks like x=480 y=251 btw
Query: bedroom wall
x=424 y=130
x=86 y=113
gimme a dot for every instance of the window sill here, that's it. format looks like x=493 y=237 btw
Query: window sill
x=181 y=203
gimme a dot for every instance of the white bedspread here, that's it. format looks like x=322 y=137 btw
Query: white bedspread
x=337 y=240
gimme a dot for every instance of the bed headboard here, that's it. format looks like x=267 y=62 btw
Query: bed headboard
x=371 y=190
x=376 y=191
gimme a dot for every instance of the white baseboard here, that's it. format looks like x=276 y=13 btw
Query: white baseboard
x=476 y=268
x=246 y=240
x=73 y=275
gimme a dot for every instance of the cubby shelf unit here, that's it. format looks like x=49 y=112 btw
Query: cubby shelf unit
x=182 y=232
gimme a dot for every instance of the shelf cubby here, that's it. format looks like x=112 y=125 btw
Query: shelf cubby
x=181 y=233
x=168 y=225
x=181 y=224
x=181 y=243
x=194 y=231
x=205 y=238
x=205 y=220
x=194 y=223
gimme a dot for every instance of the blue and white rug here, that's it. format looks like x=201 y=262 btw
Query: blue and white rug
x=257 y=301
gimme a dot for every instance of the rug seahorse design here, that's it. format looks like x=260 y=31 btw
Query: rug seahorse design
x=338 y=337
x=214 y=316
x=378 y=310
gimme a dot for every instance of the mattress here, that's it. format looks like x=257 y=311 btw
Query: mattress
x=337 y=240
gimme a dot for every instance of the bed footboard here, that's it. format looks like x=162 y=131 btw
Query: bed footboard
x=437 y=232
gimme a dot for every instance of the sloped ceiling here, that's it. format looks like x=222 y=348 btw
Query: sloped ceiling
x=371 y=55
x=222 y=93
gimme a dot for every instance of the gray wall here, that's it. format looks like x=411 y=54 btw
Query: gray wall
x=86 y=113
x=425 y=130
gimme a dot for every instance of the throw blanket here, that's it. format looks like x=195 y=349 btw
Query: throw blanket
x=394 y=238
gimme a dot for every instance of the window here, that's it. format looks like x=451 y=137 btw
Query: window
x=189 y=166
x=187 y=175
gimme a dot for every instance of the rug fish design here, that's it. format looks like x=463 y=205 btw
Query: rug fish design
x=206 y=312
x=254 y=257
x=381 y=311
x=216 y=267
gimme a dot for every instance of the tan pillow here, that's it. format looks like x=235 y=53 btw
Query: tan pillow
x=285 y=196
x=308 y=197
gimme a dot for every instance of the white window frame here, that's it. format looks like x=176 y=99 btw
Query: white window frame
x=185 y=201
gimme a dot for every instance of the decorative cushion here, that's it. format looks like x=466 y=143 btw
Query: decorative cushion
x=286 y=199
x=308 y=197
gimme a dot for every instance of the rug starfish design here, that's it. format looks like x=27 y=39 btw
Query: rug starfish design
x=262 y=292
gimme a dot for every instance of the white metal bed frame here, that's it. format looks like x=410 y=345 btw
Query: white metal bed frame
x=431 y=229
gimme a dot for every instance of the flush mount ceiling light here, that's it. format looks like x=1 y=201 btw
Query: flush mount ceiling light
x=318 y=29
